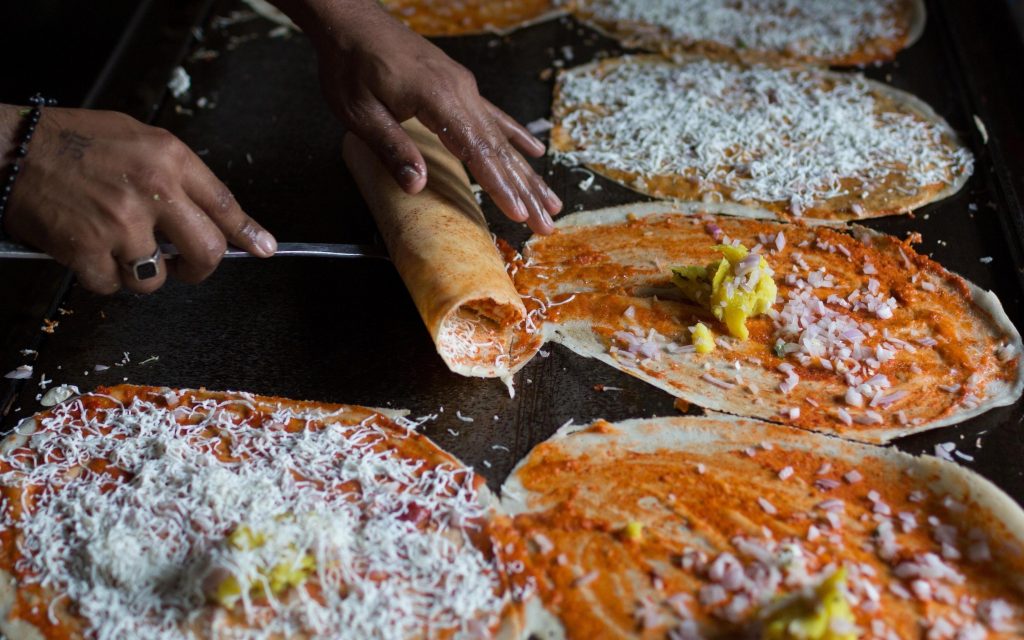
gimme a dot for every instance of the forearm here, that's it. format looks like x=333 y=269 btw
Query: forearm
x=9 y=119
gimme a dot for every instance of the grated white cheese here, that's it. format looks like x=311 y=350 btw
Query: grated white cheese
x=943 y=449
x=469 y=340
x=766 y=134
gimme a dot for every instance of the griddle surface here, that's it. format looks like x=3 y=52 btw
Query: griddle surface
x=346 y=330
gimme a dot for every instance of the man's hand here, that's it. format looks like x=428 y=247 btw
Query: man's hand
x=376 y=73
x=97 y=184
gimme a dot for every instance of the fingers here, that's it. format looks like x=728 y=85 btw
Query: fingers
x=523 y=140
x=546 y=203
x=140 y=247
x=516 y=133
x=477 y=138
x=464 y=139
x=206 y=191
x=519 y=174
x=97 y=272
x=377 y=127
x=200 y=243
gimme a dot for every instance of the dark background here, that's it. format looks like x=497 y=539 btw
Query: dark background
x=346 y=330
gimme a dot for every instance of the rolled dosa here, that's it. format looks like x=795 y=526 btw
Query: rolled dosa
x=445 y=254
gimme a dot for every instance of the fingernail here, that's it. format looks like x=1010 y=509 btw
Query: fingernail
x=266 y=243
x=547 y=218
x=555 y=200
x=520 y=207
x=408 y=175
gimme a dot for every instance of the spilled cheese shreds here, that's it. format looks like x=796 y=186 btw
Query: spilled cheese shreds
x=384 y=537
x=765 y=134
x=816 y=28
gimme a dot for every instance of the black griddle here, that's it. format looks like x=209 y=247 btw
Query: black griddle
x=346 y=330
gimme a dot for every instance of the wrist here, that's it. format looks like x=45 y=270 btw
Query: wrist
x=10 y=138
x=20 y=127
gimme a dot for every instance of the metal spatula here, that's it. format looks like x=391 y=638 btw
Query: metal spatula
x=301 y=249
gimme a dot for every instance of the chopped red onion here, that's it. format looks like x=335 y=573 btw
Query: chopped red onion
x=707 y=377
x=996 y=614
x=780 y=241
x=24 y=372
x=826 y=484
x=853 y=397
x=885 y=401
x=832 y=505
x=713 y=230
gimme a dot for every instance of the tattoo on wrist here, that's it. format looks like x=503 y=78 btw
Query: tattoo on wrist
x=73 y=144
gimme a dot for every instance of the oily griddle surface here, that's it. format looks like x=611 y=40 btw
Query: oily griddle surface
x=346 y=330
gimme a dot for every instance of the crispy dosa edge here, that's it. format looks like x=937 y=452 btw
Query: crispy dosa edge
x=562 y=143
x=918 y=21
x=723 y=431
x=578 y=337
x=441 y=246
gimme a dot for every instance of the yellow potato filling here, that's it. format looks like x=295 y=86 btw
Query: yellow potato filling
x=735 y=288
x=278 y=578
x=634 y=531
x=823 y=614
x=702 y=338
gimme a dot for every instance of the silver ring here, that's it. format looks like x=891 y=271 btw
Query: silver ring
x=147 y=268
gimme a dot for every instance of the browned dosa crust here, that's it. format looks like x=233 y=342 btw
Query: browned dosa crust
x=442 y=248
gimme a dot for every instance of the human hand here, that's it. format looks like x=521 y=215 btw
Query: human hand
x=376 y=73
x=97 y=184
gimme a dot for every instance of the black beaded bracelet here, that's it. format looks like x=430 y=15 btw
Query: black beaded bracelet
x=31 y=115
